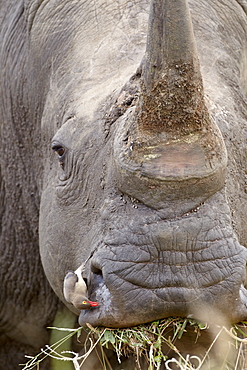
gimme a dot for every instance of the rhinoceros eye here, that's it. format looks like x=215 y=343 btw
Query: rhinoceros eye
x=60 y=150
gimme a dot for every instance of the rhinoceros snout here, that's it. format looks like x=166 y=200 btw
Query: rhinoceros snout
x=187 y=267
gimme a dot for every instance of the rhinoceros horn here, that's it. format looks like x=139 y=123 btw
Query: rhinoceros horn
x=168 y=150
x=172 y=90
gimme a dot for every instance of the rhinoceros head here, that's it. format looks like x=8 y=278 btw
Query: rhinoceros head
x=138 y=188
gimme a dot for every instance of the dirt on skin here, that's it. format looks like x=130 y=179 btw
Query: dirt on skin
x=174 y=103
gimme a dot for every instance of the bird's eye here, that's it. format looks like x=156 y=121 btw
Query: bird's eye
x=84 y=302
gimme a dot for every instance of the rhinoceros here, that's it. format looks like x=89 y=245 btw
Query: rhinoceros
x=123 y=138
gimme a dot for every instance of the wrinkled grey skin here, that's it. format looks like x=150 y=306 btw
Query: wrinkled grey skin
x=68 y=77
x=149 y=262
x=27 y=302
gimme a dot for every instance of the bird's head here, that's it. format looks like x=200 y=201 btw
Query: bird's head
x=85 y=304
x=76 y=291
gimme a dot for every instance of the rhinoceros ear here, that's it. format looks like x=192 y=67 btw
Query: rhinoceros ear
x=168 y=149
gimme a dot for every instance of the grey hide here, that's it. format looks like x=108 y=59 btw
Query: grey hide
x=123 y=140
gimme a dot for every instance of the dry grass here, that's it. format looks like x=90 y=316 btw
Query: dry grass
x=156 y=343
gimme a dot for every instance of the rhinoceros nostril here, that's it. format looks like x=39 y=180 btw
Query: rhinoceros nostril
x=96 y=279
x=96 y=270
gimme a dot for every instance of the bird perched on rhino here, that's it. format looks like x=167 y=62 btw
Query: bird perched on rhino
x=75 y=290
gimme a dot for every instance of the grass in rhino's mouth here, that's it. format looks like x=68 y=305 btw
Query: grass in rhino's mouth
x=146 y=344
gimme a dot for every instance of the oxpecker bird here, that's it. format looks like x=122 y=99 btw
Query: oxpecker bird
x=75 y=289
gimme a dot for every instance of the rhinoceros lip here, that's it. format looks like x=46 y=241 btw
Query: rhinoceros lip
x=104 y=309
x=113 y=311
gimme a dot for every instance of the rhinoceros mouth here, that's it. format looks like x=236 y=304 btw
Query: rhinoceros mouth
x=137 y=306
x=150 y=268
x=128 y=301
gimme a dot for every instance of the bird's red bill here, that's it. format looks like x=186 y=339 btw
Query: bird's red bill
x=93 y=304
